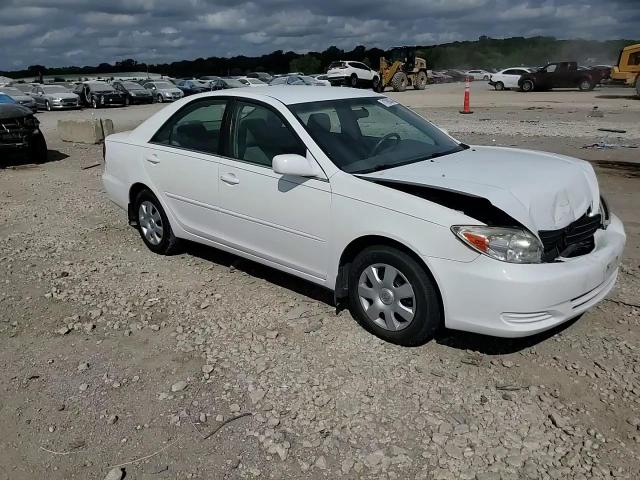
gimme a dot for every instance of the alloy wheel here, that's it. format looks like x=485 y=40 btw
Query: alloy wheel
x=387 y=297
x=150 y=222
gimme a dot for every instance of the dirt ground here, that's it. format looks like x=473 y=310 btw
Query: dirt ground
x=112 y=356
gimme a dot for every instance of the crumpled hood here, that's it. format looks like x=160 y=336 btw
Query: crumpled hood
x=542 y=191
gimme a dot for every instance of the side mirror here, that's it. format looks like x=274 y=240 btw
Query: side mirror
x=296 y=165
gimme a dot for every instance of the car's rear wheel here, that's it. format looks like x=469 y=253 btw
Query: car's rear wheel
x=499 y=86
x=585 y=85
x=527 y=86
x=486 y=77
x=353 y=80
x=153 y=224
x=126 y=101
x=393 y=296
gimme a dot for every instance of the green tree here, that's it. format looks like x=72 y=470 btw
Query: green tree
x=306 y=64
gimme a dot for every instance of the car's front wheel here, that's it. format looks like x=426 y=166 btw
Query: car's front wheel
x=499 y=86
x=47 y=105
x=585 y=85
x=94 y=102
x=527 y=86
x=153 y=224
x=159 y=98
x=393 y=296
x=38 y=148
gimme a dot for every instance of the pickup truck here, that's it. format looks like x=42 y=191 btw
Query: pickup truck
x=560 y=75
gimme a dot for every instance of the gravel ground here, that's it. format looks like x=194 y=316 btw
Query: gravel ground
x=119 y=362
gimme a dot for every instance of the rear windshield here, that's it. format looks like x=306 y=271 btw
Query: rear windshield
x=336 y=64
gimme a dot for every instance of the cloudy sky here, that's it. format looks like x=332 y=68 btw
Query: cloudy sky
x=88 y=32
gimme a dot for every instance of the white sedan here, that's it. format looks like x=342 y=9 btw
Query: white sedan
x=507 y=78
x=478 y=74
x=350 y=190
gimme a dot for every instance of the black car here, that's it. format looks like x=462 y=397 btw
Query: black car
x=224 y=83
x=560 y=75
x=20 y=133
x=133 y=91
x=99 y=94
x=191 y=87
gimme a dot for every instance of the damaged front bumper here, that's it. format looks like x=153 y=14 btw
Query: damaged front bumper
x=515 y=300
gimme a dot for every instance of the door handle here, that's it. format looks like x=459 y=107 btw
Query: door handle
x=230 y=179
x=153 y=158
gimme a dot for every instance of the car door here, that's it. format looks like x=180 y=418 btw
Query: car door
x=182 y=161
x=363 y=72
x=281 y=219
x=510 y=78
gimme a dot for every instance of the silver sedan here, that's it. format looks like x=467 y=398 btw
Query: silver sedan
x=54 y=97
x=20 y=97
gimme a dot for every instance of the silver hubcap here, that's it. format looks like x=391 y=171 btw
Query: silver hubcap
x=386 y=296
x=150 y=222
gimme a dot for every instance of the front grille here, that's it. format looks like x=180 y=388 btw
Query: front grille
x=69 y=101
x=571 y=241
x=13 y=130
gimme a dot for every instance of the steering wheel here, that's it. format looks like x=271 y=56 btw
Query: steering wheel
x=378 y=145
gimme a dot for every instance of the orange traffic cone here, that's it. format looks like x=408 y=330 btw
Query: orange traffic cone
x=466 y=109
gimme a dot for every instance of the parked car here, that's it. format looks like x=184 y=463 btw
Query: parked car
x=265 y=77
x=456 y=75
x=164 y=91
x=225 y=83
x=560 y=75
x=20 y=132
x=294 y=80
x=25 y=88
x=97 y=94
x=354 y=192
x=192 y=87
x=353 y=74
x=134 y=92
x=478 y=74
x=322 y=79
x=507 y=78
x=441 y=77
x=251 y=82
x=20 y=98
x=54 y=97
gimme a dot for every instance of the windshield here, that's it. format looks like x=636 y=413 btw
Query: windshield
x=363 y=135
x=55 y=89
x=165 y=85
x=232 y=82
x=100 y=87
x=308 y=80
x=132 y=86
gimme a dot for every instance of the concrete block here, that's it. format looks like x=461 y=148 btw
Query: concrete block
x=84 y=131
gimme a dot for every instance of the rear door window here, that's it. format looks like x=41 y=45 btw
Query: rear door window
x=195 y=127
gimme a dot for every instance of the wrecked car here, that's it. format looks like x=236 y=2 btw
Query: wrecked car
x=20 y=133
x=412 y=229
x=561 y=75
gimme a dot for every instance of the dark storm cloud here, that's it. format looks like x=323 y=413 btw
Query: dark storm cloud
x=83 y=32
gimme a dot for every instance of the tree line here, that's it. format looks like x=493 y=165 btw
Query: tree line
x=485 y=53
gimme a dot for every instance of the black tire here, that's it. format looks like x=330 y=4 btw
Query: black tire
x=353 y=81
x=47 y=105
x=485 y=78
x=638 y=85
x=527 y=86
x=375 y=83
x=94 y=103
x=585 y=85
x=169 y=244
x=399 y=82
x=420 y=81
x=499 y=86
x=428 y=317
x=38 y=148
x=159 y=98
x=126 y=101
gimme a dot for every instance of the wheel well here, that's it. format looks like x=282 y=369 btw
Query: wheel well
x=359 y=244
x=135 y=189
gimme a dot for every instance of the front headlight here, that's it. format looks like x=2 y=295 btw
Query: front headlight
x=512 y=245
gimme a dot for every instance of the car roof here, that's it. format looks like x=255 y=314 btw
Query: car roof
x=292 y=94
